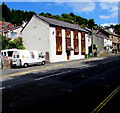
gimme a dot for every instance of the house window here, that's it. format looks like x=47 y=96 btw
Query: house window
x=83 y=43
x=68 y=38
x=58 y=40
x=76 y=43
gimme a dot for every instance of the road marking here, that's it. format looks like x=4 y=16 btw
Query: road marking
x=41 y=78
x=33 y=70
x=2 y=88
x=104 y=62
x=21 y=73
x=102 y=104
x=39 y=69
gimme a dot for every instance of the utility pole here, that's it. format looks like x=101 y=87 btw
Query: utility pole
x=92 y=41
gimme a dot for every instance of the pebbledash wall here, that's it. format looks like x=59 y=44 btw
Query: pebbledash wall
x=39 y=35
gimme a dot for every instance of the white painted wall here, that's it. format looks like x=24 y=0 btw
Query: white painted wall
x=107 y=42
x=12 y=37
x=63 y=57
x=79 y=56
x=36 y=35
x=53 y=56
x=18 y=33
x=88 y=42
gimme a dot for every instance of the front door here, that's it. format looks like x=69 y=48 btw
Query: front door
x=68 y=54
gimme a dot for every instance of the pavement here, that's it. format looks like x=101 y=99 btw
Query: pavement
x=6 y=73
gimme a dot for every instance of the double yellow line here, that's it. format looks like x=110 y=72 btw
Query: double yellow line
x=102 y=104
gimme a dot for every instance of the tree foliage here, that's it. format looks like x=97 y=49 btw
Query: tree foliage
x=117 y=29
x=72 y=18
x=15 y=16
x=16 y=43
x=6 y=13
x=8 y=44
x=4 y=41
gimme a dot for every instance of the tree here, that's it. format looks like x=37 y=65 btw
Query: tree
x=18 y=16
x=6 y=12
x=71 y=14
x=8 y=44
x=16 y=43
x=4 y=41
x=2 y=19
x=91 y=23
x=42 y=14
x=57 y=17
x=117 y=29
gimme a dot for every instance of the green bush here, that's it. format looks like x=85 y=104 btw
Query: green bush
x=8 y=44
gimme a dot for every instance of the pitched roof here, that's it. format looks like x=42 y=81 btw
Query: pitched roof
x=60 y=23
x=9 y=29
x=111 y=33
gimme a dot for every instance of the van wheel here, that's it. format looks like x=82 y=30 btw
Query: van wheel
x=25 y=65
x=43 y=62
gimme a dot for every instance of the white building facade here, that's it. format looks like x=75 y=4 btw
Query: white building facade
x=56 y=40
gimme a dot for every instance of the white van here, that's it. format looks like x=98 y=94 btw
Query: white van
x=26 y=58
x=8 y=52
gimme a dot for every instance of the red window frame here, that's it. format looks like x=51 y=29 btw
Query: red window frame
x=83 y=43
x=58 y=40
x=68 y=38
x=76 y=43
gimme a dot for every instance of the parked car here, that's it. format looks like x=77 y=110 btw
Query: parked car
x=26 y=58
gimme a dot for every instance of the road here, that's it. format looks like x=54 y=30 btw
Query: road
x=84 y=86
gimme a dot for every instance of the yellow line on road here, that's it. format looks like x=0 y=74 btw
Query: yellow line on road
x=35 y=70
x=26 y=72
x=102 y=104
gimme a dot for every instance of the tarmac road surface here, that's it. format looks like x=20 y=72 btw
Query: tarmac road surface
x=90 y=86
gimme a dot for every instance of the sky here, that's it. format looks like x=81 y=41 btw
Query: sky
x=104 y=13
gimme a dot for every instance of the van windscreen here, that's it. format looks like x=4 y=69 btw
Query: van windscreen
x=10 y=53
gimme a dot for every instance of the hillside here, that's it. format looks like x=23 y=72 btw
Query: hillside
x=16 y=17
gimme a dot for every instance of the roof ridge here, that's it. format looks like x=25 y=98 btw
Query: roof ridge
x=56 y=22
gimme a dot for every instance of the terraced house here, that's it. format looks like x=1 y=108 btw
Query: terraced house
x=57 y=40
x=9 y=30
x=115 y=39
x=111 y=37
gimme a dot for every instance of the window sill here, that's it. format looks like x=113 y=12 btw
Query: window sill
x=59 y=53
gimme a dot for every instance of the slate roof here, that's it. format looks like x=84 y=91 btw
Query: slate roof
x=111 y=33
x=5 y=24
x=10 y=29
x=105 y=30
x=60 y=23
